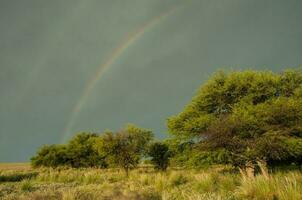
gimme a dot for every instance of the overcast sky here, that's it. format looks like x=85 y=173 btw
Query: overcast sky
x=50 y=50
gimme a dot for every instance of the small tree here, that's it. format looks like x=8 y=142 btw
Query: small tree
x=160 y=154
x=125 y=148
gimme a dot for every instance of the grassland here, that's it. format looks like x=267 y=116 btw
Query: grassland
x=15 y=166
x=145 y=183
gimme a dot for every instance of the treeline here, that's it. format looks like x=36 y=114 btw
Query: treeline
x=248 y=119
x=124 y=149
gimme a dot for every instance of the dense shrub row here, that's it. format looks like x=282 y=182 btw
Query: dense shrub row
x=125 y=149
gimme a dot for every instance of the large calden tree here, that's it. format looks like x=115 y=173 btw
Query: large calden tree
x=255 y=116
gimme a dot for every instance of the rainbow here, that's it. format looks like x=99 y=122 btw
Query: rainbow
x=102 y=69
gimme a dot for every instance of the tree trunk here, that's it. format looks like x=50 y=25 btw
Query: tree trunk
x=250 y=170
x=127 y=171
x=263 y=167
x=243 y=173
x=247 y=171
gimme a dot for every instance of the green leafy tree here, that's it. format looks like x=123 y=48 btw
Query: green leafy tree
x=125 y=148
x=187 y=153
x=50 y=156
x=253 y=116
x=81 y=151
x=160 y=154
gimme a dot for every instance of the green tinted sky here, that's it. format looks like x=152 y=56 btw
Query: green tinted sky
x=50 y=49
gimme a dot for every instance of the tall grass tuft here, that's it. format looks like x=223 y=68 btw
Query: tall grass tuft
x=27 y=186
x=280 y=187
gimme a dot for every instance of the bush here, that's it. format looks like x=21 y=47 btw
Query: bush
x=81 y=151
x=160 y=154
x=50 y=156
x=124 y=148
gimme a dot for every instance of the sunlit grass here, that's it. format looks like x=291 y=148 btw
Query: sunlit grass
x=15 y=166
x=147 y=184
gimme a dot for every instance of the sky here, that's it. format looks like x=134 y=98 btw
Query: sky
x=91 y=65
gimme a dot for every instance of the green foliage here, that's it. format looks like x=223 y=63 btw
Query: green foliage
x=235 y=118
x=81 y=152
x=125 y=148
x=26 y=186
x=50 y=156
x=199 y=159
x=139 y=137
x=160 y=154
x=180 y=150
x=189 y=154
x=250 y=115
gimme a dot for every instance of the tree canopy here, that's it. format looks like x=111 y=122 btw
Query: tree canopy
x=81 y=152
x=50 y=156
x=160 y=154
x=124 y=148
x=253 y=115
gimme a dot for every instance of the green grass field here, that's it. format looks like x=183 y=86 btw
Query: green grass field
x=21 y=182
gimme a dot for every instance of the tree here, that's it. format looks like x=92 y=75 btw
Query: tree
x=254 y=116
x=160 y=154
x=187 y=153
x=81 y=151
x=125 y=148
x=50 y=156
x=180 y=151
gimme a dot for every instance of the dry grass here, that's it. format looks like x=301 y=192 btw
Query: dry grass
x=147 y=184
x=15 y=166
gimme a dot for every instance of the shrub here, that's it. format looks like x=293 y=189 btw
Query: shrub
x=81 y=151
x=125 y=148
x=50 y=156
x=160 y=154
